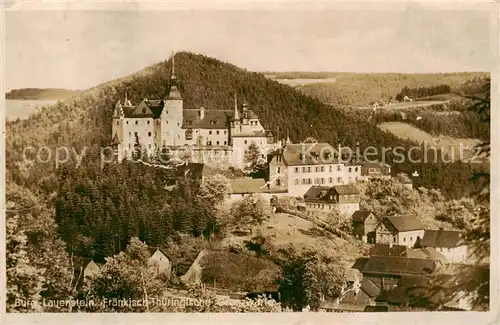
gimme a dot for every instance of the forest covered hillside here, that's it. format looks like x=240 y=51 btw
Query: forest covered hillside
x=85 y=121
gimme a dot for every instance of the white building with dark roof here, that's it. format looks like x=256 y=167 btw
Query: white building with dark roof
x=296 y=167
x=211 y=136
x=447 y=242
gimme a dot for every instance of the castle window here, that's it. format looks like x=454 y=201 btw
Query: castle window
x=135 y=134
x=217 y=142
x=278 y=158
x=130 y=133
x=117 y=122
x=209 y=132
x=148 y=122
x=225 y=142
x=303 y=181
x=136 y=122
x=330 y=180
x=339 y=179
x=178 y=124
x=308 y=169
x=209 y=143
x=278 y=182
x=303 y=169
x=322 y=181
x=338 y=168
x=217 y=132
x=330 y=169
x=309 y=181
x=322 y=168
x=296 y=169
x=296 y=182
x=356 y=169
x=350 y=169
x=317 y=169
x=225 y=132
x=212 y=122
x=189 y=134
x=127 y=122
x=149 y=146
x=149 y=134
x=155 y=134
x=246 y=141
x=278 y=170
x=129 y=146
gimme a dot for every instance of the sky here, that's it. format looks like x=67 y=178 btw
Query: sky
x=79 y=49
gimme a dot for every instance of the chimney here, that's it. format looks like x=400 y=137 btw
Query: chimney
x=202 y=113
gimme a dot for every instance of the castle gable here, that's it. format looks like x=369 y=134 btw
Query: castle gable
x=213 y=119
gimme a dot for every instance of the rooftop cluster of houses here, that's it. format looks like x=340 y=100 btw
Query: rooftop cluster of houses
x=401 y=264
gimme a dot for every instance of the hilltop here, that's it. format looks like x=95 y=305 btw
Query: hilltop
x=85 y=121
x=41 y=94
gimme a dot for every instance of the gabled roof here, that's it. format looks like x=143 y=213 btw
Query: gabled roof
x=153 y=250
x=248 y=185
x=360 y=215
x=345 y=189
x=370 y=287
x=319 y=194
x=390 y=265
x=213 y=119
x=405 y=223
x=360 y=263
x=80 y=262
x=375 y=165
x=441 y=238
x=296 y=154
x=386 y=250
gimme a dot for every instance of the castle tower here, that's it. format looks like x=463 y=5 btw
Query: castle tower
x=172 y=113
x=117 y=131
x=236 y=116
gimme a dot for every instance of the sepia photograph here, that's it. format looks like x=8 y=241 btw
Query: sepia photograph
x=249 y=159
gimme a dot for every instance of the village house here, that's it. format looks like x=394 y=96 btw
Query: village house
x=213 y=136
x=375 y=170
x=159 y=262
x=364 y=223
x=324 y=199
x=83 y=268
x=405 y=251
x=296 y=167
x=386 y=271
x=399 y=230
x=243 y=187
x=447 y=242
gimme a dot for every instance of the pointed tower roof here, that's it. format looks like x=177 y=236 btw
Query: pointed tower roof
x=236 y=113
x=174 y=93
x=118 y=109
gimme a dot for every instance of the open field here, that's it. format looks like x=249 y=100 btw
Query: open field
x=294 y=82
x=406 y=105
x=283 y=229
x=448 y=144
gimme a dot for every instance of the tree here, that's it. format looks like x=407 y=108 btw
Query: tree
x=253 y=159
x=249 y=211
x=310 y=276
x=126 y=276
x=24 y=281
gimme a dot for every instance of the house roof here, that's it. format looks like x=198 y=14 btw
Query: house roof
x=213 y=119
x=345 y=189
x=386 y=250
x=80 y=262
x=405 y=223
x=441 y=238
x=370 y=287
x=390 y=265
x=248 y=185
x=433 y=254
x=360 y=263
x=360 y=215
x=375 y=165
x=319 y=194
x=296 y=154
x=153 y=250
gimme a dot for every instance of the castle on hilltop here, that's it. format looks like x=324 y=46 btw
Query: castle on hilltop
x=210 y=136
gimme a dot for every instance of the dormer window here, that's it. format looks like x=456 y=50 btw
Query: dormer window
x=213 y=122
x=143 y=111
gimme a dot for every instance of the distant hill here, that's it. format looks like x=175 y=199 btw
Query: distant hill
x=352 y=89
x=41 y=94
